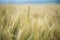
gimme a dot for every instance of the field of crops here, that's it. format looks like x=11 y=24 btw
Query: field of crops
x=30 y=22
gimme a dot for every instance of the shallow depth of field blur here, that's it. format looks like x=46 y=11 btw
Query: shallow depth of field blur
x=30 y=22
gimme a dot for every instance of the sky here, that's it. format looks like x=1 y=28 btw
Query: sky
x=28 y=1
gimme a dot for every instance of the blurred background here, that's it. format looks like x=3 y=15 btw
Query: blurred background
x=28 y=1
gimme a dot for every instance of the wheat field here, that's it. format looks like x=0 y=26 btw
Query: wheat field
x=29 y=22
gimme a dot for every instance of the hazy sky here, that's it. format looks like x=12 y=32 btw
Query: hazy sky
x=25 y=1
x=29 y=0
